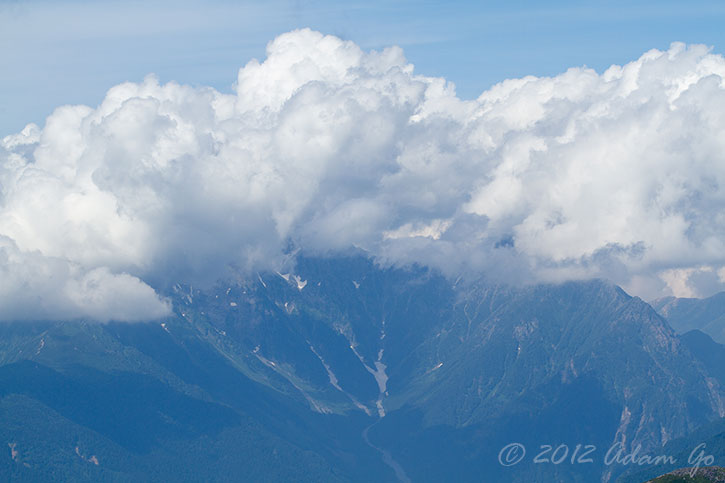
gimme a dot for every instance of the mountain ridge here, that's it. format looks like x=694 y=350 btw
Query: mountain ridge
x=343 y=361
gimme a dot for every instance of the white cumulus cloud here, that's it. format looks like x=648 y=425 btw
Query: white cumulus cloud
x=324 y=146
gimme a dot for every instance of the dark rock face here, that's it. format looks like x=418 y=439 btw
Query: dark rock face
x=714 y=474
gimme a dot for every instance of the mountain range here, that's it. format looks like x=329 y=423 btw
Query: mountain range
x=346 y=370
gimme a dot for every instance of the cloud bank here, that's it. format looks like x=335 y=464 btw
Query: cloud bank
x=324 y=146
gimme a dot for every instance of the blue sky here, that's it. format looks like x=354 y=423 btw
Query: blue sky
x=64 y=52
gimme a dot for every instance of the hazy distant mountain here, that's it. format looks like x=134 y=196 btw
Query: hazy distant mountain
x=683 y=314
x=343 y=370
